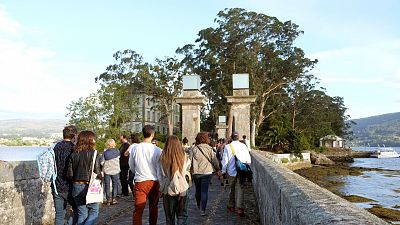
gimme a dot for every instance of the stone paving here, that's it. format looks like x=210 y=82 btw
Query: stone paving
x=217 y=213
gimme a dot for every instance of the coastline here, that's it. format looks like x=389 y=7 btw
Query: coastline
x=322 y=175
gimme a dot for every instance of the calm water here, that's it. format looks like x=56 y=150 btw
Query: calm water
x=20 y=153
x=376 y=185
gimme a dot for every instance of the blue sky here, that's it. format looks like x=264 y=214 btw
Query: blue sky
x=50 y=52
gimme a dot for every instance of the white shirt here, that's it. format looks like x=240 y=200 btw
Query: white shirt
x=131 y=147
x=144 y=162
x=248 y=144
x=228 y=160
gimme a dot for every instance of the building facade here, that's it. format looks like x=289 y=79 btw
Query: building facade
x=148 y=114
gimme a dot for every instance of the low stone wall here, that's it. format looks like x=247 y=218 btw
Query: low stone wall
x=24 y=198
x=287 y=198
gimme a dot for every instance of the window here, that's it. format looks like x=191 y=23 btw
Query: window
x=137 y=127
x=148 y=115
x=154 y=117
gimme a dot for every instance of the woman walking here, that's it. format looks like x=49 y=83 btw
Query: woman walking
x=174 y=164
x=111 y=169
x=204 y=163
x=79 y=171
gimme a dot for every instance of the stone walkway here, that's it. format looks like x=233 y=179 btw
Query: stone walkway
x=217 y=213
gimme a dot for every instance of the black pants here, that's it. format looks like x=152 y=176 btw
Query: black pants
x=123 y=176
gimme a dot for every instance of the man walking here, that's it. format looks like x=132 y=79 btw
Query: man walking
x=62 y=198
x=240 y=150
x=123 y=163
x=144 y=162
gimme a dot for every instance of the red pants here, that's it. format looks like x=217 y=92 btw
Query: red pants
x=144 y=190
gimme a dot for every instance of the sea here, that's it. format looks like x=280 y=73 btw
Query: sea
x=383 y=186
x=20 y=153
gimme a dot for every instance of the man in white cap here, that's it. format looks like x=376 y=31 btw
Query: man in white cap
x=240 y=150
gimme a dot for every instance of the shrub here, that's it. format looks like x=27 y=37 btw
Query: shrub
x=284 y=160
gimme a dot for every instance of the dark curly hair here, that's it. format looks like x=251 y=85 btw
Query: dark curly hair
x=86 y=141
x=202 y=138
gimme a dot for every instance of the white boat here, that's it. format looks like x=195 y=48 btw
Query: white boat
x=385 y=153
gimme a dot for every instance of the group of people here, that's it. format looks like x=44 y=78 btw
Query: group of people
x=150 y=172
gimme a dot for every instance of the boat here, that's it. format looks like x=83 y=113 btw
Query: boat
x=385 y=153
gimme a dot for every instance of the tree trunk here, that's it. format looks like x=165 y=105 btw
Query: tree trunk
x=293 y=117
x=171 y=123
x=253 y=133
x=230 y=120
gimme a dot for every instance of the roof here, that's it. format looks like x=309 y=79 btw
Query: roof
x=331 y=137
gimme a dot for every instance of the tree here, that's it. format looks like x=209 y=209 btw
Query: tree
x=86 y=113
x=166 y=87
x=121 y=85
x=246 y=42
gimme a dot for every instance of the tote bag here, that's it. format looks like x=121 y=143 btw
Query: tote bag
x=95 y=189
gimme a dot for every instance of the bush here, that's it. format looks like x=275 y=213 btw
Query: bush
x=321 y=149
x=284 y=160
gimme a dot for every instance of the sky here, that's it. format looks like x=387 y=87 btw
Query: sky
x=51 y=51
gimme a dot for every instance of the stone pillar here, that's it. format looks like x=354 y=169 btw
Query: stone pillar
x=240 y=105
x=221 y=127
x=191 y=101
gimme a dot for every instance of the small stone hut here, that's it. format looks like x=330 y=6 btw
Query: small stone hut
x=331 y=141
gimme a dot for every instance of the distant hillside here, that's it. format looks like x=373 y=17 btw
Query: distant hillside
x=31 y=128
x=382 y=129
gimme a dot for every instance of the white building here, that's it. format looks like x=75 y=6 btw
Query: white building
x=331 y=141
x=149 y=115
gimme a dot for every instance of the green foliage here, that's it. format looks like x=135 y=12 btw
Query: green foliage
x=101 y=145
x=321 y=149
x=246 y=42
x=284 y=160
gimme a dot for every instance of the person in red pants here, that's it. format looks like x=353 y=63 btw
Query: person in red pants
x=144 y=162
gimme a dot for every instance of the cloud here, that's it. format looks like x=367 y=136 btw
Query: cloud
x=374 y=63
x=33 y=79
x=8 y=25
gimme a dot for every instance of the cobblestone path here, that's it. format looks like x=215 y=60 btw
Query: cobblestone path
x=217 y=213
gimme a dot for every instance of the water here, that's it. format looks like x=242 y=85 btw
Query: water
x=371 y=149
x=20 y=153
x=376 y=185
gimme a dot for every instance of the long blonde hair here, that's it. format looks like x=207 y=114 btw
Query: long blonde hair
x=172 y=157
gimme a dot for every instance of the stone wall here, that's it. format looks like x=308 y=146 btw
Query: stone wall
x=24 y=198
x=287 y=198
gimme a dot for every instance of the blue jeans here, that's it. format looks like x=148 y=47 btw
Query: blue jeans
x=87 y=214
x=201 y=182
x=61 y=202
x=107 y=179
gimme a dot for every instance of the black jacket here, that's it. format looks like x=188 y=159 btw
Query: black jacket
x=80 y=166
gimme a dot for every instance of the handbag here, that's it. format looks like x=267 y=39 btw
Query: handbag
x=240 y=167
x=95 y=189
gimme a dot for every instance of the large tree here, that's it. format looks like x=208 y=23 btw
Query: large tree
x=166 y=87
x=246 y=42
x=121 y=85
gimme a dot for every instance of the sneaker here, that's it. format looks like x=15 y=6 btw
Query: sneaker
x=203 y=213
x=114 y=202
x=231 y=209
x=240 y=212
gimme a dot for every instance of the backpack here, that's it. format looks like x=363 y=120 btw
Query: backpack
x=47 y=166
x=178 y=184
x=243 y=170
